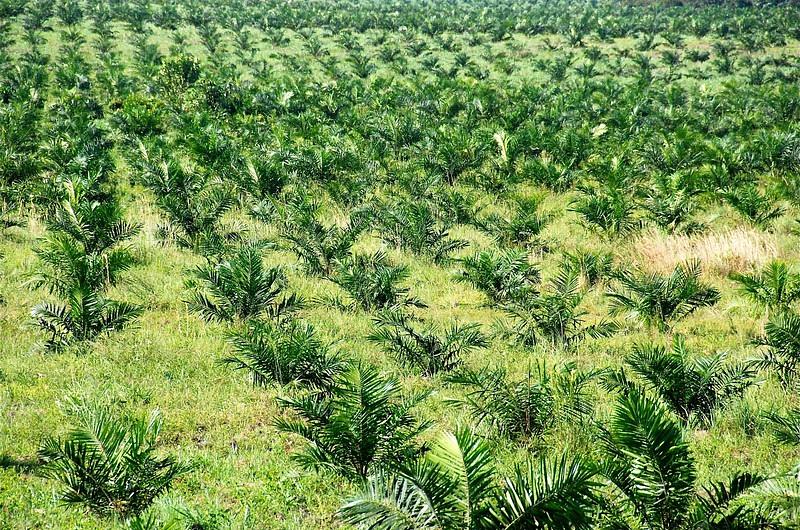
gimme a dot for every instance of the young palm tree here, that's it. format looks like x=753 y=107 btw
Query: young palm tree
x=110 y=466
x=753 y=205
x=240 y=287
x=83 y=317
x=82 y=257
x=98 y=226
x=608 y=210
x=454 y=487
x=317 y=245
x=361 y=424
x=651 y=466
x=193 y=205
x=774 y=288
x=691 y=388
x=782 y=340
x=283 y=354
x=671 y=206
x=427 y=349
x=451 y=152
x=592 y=267
x=523 y=227
x=372 y=281
x=504 y=277
x=659 y=300
x=555 y=315
x=786 y=428
x=525 y=408
x=413 y=226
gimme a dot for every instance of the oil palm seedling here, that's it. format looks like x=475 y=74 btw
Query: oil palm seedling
x=606 y=204
x=592 y=267
x=83 y=255
x=361 y=424
x=283 y=354
x=425 y=346
x=193 y=205
x=96 y=225
x=455 y=486
x=649 y=463
x=523 y=227
x=781 y=340
x=692 y=388
x=671 y=207
x=452 y=151
x=413 y=226
x=660 y=300
x=753 y=205
x=318 y=246
x=775 y=288
x=83 y=316
x=609 y=211
x=786 y=427
x=111 y=466
x=524 y=408
x=555 y=317
x=240 y=287
x=504 y=276
x=260 y=176
x=335 y=129
x=373 y=282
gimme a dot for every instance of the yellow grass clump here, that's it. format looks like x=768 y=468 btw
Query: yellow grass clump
x=738 y=249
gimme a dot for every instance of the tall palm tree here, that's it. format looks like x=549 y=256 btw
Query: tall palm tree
x=455 y=487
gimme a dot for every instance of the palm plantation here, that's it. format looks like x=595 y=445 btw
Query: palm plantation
x=399 y=264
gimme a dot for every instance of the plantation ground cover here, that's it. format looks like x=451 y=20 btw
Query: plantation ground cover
x=543 y=129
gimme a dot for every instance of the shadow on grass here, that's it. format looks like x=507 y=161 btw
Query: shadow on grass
x=23 y=465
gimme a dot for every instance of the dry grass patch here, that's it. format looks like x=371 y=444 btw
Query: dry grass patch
x=738 y=249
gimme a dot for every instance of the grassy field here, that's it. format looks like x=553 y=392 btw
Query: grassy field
x=699 y=123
